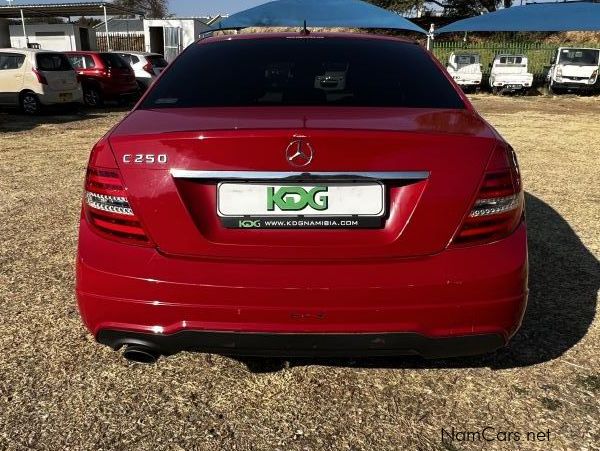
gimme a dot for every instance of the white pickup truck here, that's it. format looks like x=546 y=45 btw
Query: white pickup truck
x=465 y=69
x=574 y=69
x=509 y=73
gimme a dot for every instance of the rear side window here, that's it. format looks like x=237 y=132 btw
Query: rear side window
x=9 y=61
x=114 y=61
x=82 y=61
x=511 y=60
x=49 y=62
x=89 y=62
x=465 y=59
x=157 y=60
x=304 y=71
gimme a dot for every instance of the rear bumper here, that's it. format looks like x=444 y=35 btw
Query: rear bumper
x=306 y=345
x=573 y=85
x=146 y=81
x=511 y=86
x=245 y=307
x=55 y=98
x=466 y=82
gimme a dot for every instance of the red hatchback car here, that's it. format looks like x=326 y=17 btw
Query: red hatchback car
x=303 y=195
x=104 y=76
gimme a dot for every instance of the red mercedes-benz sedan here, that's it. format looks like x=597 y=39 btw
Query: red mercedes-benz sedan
x=303 y=195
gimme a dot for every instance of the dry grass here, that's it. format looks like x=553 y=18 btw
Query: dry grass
x=60 y=390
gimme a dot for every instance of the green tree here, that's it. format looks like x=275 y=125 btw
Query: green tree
x=398 y=5
x=452 y=7
x=150 y=8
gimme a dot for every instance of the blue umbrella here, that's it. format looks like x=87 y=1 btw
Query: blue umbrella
x=319 y=13
x=565 y=16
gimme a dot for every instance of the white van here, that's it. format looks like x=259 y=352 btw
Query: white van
x=465 y=69
x=509 y=73
x=31 y=78
x=574 y=69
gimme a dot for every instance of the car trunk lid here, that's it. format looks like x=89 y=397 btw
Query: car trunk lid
x=57 y=71
x=442 y=154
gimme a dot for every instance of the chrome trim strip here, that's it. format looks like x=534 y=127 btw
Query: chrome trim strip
x=261 y=175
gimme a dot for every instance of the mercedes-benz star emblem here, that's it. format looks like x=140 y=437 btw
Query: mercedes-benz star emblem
x=299 y=153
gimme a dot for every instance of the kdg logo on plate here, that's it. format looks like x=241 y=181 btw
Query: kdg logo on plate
x=249 y=224
x=296 y=198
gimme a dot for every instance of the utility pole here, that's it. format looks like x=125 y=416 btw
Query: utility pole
x=106 y=28
x=430 y=36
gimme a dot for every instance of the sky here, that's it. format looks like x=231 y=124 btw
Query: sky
x=177 y=7
x=186 y=7
x=210 y=7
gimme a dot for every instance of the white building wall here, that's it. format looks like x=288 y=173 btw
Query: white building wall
x=190 y=29
x=59 y=37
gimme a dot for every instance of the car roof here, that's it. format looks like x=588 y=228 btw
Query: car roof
x=127 y=52
x=511 y=54
x=319 y=35
x=580 y=48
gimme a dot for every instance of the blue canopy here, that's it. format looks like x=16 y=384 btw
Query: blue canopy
x=565 y=16
x=319 y=13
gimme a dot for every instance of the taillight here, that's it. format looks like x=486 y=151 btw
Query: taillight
x=40 y=77
x=106 y=204
x=498 y=208
x=149 y=68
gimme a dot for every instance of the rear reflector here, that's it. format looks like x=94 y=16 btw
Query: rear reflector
x=106 y=205
x=498 y=209
x=149 y=68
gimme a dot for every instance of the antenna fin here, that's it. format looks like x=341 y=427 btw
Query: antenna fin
x=305 y=29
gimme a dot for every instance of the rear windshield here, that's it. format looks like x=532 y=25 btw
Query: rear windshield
x=157 y=60
x=511 y=60
x=114 y=61
x=466 y=59
x=52 y=62
x=585 y=57
x=304 y=71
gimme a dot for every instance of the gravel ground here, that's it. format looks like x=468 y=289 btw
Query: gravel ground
x=59 y=390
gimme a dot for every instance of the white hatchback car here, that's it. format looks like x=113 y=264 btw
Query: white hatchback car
x=30 y=78
x=147 y=66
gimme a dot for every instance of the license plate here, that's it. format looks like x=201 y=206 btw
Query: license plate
x=514 y=86
x=301 y=206
x=65 y=96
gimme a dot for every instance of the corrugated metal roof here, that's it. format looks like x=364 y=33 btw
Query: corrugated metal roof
x=65 y=10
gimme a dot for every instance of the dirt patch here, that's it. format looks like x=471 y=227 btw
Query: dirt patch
x=60 y=390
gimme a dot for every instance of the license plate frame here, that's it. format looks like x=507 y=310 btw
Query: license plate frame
x=370 y=201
